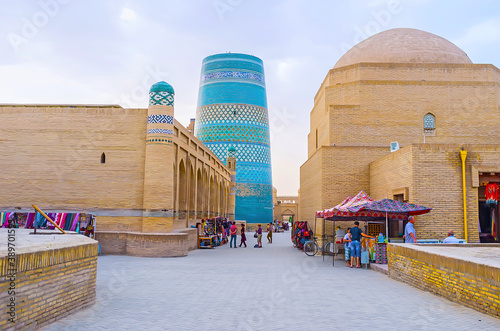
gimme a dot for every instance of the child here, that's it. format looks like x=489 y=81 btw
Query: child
x=347 y=246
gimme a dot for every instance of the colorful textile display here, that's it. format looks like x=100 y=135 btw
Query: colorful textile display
x=380 y=253
x=74 y=223
x=492 y=194
x=4 y=220
x=300 y=234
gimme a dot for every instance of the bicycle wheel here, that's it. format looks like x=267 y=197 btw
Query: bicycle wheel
x=310 y=248
x=329 y=248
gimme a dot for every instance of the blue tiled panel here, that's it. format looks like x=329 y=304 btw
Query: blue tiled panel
x=255 y=203
x=232 y=112
x=232 y=92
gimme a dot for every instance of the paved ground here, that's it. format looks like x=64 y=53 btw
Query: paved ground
x=273 y=288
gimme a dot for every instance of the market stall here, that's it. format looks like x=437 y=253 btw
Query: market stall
x=374 y=214
x=211 y=233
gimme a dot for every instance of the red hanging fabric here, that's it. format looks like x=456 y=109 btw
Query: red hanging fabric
x=492 y=193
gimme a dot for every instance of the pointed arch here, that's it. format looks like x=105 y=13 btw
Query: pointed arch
x=192 y=193
x=199 y=194
x=182 y=190
x=176 y=193
x=211 y=207
x=205 y=193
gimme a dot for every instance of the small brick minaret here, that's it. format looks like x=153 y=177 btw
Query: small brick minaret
x=158 y=200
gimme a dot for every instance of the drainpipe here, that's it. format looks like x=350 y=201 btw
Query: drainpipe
x=463 y=156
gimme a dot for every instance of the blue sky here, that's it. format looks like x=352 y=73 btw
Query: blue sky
x=106 y=52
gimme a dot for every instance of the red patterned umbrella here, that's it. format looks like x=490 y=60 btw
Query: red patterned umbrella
x=391 y=206
x=324 y=213
x=342 y=210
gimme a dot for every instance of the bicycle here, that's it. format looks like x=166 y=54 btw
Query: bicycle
x=311 y=247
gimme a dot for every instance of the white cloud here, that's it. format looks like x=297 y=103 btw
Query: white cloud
x=483 y=33
x=128 y=14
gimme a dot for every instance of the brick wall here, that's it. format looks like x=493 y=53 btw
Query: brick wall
x=144 y=244
x=390 y=173
x=310 y=186
x=51 y=156
x=50 y=285
x=471 y=284
x=119 y=223
x=391 y=100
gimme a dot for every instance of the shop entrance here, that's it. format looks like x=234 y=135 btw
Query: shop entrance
x=489 y=226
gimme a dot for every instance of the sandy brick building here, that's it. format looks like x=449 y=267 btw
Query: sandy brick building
x=421 y=91
x=137 y=170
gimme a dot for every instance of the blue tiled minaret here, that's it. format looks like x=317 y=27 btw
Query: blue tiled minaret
x=232 y=112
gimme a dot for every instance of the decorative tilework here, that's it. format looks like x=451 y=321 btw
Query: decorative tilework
x=232 y=74
x=232 y=113
x=244 y=152
x=158 y=141
x=161 y=98
x=164 y=131
x=160 y=119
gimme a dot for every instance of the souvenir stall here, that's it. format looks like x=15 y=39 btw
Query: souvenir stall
x=82 y=223
x=300 y=234
x=374 y=214
x=212 y=234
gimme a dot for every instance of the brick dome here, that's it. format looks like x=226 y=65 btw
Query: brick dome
x=404 y=46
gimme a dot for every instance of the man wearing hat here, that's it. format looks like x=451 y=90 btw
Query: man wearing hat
x=451 y=238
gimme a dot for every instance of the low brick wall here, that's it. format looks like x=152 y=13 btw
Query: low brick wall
x=144 y=244
x=192 y=237
x=49 y=285
x=475 y=285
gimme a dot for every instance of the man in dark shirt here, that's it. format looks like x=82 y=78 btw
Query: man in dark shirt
x=356 y=234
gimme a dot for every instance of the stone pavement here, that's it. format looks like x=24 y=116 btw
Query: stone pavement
x=273 y=288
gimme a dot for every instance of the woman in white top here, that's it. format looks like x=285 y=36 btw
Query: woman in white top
x=347 y=247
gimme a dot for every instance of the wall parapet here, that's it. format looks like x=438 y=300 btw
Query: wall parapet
x=459 y=272
x=144 y=244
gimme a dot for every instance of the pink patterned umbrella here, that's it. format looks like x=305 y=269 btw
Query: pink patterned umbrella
x=391 y=206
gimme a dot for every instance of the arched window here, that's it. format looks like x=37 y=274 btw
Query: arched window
x=429 y=123
x=103 y=158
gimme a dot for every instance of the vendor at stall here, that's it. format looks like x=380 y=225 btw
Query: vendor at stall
x=355 y=235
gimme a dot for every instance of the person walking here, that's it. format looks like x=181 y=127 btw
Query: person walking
x=243 y=236
x=259 y=236
x=355 y=235
x=409 y=236
x=270 y=233
x=233 y=230
x=451 y=238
